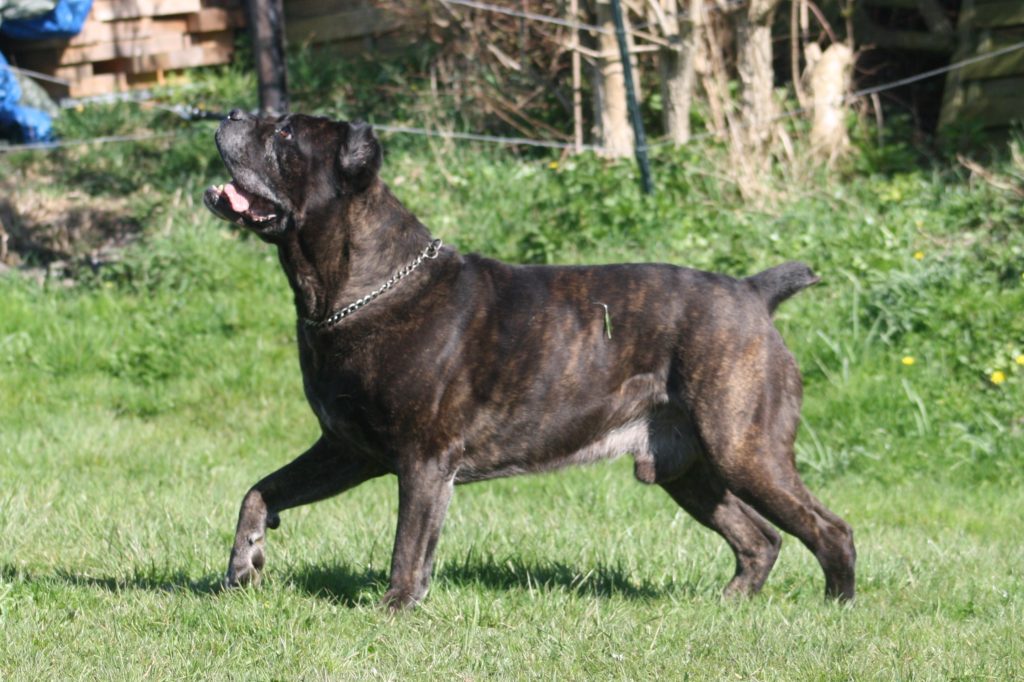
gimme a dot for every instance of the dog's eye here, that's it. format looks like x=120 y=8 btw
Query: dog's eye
x=285 y=133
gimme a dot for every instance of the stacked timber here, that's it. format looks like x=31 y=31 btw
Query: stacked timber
x=135 y=43
x=989 y=93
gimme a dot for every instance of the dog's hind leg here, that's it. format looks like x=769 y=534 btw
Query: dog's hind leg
x=424 y=491
x=781 y=496
x=772 y=487
x=753 y=540
x=320 y=472
x=760 y=468
x=753 y=453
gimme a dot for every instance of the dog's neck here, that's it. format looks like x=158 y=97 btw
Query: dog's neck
x=350 y=251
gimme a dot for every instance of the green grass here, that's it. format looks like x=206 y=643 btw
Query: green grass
x=137 y=407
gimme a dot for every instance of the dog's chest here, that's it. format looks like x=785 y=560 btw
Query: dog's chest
x=338 y=400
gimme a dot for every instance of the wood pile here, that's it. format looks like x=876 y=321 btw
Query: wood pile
x=988 y=93
x=134 y=43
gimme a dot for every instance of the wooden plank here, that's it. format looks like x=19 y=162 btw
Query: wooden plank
x=176 y=24
x=207 y=54
x=98 y=85
x=75 y=73
x=344 y=25
x=145 y=80
x=224 y=4
x=996 y=89
x=992 y=113
x=94 y=32
x=111 y=10
x=1010 y=64
x=215 y=19
x=108 y=32
x=210 y=39
x=1003 y=13
x=161 y=42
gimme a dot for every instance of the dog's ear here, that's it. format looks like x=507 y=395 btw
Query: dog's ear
x=359 y=156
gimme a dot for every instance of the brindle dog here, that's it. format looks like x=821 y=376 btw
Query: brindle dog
x=445 y=368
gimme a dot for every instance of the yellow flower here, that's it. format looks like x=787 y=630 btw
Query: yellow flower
x=919 y=255
x=997 y=377
x=553 y=165
x=908 y=360
x=1019 y=360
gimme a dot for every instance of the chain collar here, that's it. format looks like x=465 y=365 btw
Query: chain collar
x=338 y=315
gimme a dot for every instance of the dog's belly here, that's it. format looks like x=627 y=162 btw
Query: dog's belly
x=662 y=443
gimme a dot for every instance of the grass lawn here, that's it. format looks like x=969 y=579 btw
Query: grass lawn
x=140 y=404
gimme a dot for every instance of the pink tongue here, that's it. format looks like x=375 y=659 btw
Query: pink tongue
x=239 y=200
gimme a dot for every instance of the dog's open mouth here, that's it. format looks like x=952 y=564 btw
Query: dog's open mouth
x=234 y=203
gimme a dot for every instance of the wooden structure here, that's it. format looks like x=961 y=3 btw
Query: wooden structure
x=133 y=43
x=989 y=93
x=136 y=43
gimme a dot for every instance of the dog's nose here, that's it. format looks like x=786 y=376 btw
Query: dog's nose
x=236 y=115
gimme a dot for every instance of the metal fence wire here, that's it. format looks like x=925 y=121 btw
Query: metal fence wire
x=193 y=113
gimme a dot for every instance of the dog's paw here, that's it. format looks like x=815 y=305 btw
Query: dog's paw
x=245 y=567
x=398 y=600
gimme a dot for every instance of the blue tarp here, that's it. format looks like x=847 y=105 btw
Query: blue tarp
x=63 y=21
x=10 y=91
x=32 y=125
x=27 y=124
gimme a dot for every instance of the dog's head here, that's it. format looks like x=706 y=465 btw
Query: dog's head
x=285 y=169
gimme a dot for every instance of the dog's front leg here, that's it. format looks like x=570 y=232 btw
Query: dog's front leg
x=320 y=472
x=424 y=491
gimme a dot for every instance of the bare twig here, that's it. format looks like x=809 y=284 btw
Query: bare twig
x=991 y=178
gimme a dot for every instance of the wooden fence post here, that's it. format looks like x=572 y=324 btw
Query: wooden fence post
x=266 y=25
x=634 y=109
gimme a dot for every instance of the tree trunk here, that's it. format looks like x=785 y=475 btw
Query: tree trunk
x=611 y=115
x=828 y=76
x=266 y=26
x=754 y=64
x=677 y=66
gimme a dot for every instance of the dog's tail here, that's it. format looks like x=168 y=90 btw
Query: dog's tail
x=777 y=284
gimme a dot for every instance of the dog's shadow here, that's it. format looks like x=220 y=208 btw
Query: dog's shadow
x=345 y=586
x=140 y=579
x=340 y=584
x=349 y=587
